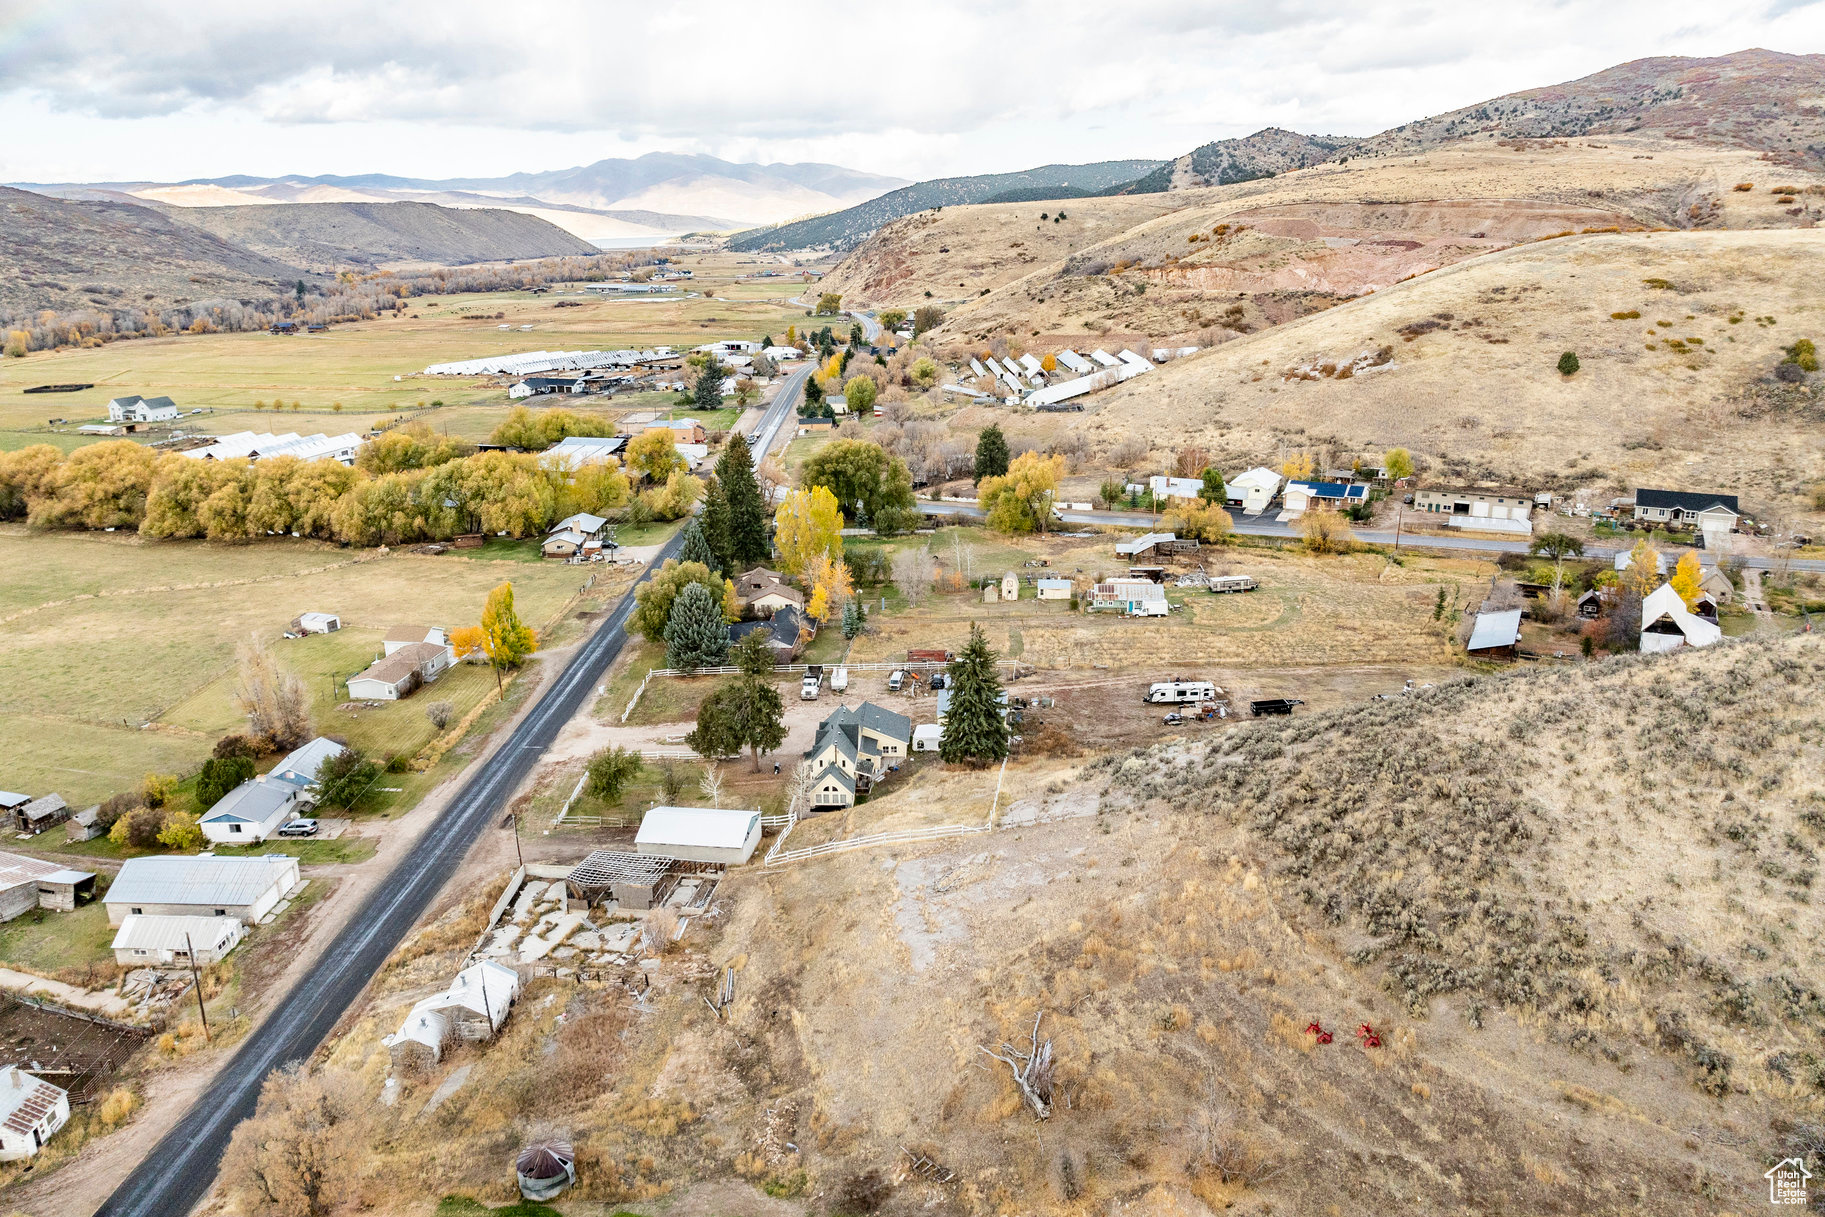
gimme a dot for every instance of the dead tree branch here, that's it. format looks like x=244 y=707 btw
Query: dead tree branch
x=1032 y=1069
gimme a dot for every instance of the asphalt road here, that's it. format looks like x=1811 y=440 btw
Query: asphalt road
x=1272 y=528
x=180 y=1170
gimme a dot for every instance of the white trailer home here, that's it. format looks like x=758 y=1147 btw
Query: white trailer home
x=1177 y=692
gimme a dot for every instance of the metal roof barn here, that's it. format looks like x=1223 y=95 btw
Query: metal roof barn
x=700 y=834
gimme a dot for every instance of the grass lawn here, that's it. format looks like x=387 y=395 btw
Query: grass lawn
x=310 y=853
x=44 y=941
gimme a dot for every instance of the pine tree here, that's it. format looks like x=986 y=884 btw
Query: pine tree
x=696 y=547
x=747 y=511
x=715 y=525
x=814 y=397
x=975 y=733
x=991 y=453
x=695 y=636
x=852 y=618
x=708 y=394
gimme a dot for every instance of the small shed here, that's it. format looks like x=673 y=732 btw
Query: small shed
x=991 y=592
x=926 y=737
x=31 y=1111
x=318 y=623
x=1010 y=586
x=1054 y=589
x=40 y=814
x=28 y=883
x=1590 y=604
x=723 y=835
x=85 y=825
x=1495 y=634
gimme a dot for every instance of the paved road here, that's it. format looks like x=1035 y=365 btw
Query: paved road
x=871 y=329
x=181 y=1169
x=1408 y=540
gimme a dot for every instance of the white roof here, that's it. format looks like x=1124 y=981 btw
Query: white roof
x=1134 y=589
x=1665 y=602
x=925 y=731
x=255 y=801
x=1175 y=488
x=569 y=534
x=1495 y=630
x=976 y=367
x=1053 y=584
x=22 y=1107
x=698 y=827
x=486 y=988
x=530 y=363
x=200 y=880
x=583 y=521
x=17 y=868
x=580 y=450
x=1265 y=478
x=1141 y=544
x=1030 y=364
x=1104 y=358
x=301 y=764
x=248 y=444
x=154 y=933
x=317 y=618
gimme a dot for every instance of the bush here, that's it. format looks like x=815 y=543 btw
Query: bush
x=115 y=807
x=1804 y=355
x=230 y=746
x=440 y=713
x=610 y=770
x=219 y=776
x=1568 y=364
x=138 y=828
x=180 y=831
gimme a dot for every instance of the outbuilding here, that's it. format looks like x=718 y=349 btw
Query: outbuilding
x=473 y=1008
x=31 y=1112
x=724 y=835
x=316 y=623
x=1666 y=625
x=246 y=889
x=155 y=941
x=926 y=737
x=29 y=883
x=1495 y=634
x=1054 y=589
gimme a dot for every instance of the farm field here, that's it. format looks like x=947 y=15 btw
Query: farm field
x=372 y=369
x=118 y=650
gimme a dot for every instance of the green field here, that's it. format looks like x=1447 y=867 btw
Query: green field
x=45 y=942
x=118 y=650
x=373 y=369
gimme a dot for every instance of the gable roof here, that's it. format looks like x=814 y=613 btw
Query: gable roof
x=143 y=932
x=1331 y=490
x=1665 y=603
x=1141 y=544
x=1685 y=500
x=38 y=809
x=300 y=766
x=782 y=629
x=696 y=827
x=252 y=802
x=401 y=663
x=837 y=774
x=23 y=1105
x=583 y=521
x=199 y=880
x=412 y=633
x=10 y=799
x=1492 y=630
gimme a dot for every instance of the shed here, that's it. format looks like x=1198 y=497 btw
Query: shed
x=991 y=592
x=204 y=886
x=153 y=940
x=545 y=1168
x=1134 y=547
x=926 y=737
x=1590 y=604
x=723 y=835
x=40 y=814
x=318 y=623
x=85 y=825
x=473 y=1008
x=1666 y=625
x=29 y=883
x=1495 y=633
x=1010 y=586
x=31 y=1112
x=1054 y=589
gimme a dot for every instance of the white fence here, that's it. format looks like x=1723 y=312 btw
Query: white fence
x=1013 y=665
x=778 y=856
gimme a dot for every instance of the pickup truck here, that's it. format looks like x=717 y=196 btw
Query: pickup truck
x=839 y=680
x=814 y=680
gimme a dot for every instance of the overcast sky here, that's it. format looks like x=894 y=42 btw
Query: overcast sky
x=147 y=89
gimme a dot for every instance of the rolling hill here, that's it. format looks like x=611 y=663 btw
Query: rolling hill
x=64 y=255
x=844 y=229
x=1227 y=161
x=330 y=236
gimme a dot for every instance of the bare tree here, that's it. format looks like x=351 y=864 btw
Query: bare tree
x=1219 y=1148
x=440 y=713
x=913 y=568
x=711 y=784
x=725 y=994
x=1032 y=1069
x=273 y=699
x=1191 y=461
x=1129 y=453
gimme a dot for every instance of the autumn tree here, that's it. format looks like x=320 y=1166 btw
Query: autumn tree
x=26 y=476
x=1325 y=532
x=1298 y=467
x=505 y=638
x=695 y=634
x=653 y=599
x=654 y=455
x=674 y=499
x=808 y=523
x=98 y=486
x=1688 y=578
x=866 y=479
x=831 y=586
x=923 y=371
x=1020 y=501
x=300 y=1153
x=913 y=569
x=273 y=700
x=859 y=394
x=1397 y=463
x=929 y=317
x=829 y=304
x=892 y=318
x=1198 y=520
x=1642 y=574
x=468 y=640
x=1191 y=461
x=975 y=727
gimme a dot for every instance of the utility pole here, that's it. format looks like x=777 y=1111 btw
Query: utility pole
x=196 y=979
x=1397 y=510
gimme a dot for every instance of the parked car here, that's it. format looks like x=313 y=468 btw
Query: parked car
x=896 y=681
x=298 y=828
x=937 y=681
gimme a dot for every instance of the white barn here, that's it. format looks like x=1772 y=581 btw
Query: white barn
x=700 y=834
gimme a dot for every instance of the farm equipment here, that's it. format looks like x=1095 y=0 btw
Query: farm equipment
x=1266 y=706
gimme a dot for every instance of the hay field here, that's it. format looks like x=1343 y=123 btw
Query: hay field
x=356 y=364
x=106 y=632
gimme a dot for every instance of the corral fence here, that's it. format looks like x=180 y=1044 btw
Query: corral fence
x=780 y=856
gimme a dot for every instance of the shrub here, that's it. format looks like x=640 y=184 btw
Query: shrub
x=1630 y=315
x=138 y=828
x=239 y=745
x=219 y=776
x=1568 y=363
x=156 y=789
x=180 y=831
x=1804 y=355
x=440 y=713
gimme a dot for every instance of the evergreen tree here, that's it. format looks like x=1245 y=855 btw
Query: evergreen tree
x=854 y=617
x=991 y=453
x=749 y=712
x=975 y=733
x=714 y=522
x=696 y=547
x=767 y=342
x=708 y=394
x=695 y=635
x=814 y=396
x=1212 y=490
x=747 y=510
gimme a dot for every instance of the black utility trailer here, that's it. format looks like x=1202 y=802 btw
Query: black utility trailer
x=1273 y=705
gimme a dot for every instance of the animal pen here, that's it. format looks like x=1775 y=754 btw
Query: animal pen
x=633 y=881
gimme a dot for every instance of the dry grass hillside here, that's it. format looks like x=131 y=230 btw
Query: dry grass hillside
x=1678 y=336
x=328 y=237
x=1237 y=258
x=1575 y=904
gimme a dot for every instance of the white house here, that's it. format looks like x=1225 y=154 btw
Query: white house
x=1667 y=626
x=1252 y=491
x=246 y=889
x=251 y=812
x=401 y=672
x=473 y=1008
x=1174 y=488
x=31 y=1112
x=154 y=941
x=138 y=409
x=1303 y=496
x=700 y=834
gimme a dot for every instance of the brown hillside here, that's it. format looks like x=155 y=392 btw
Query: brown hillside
x=334 y=236
x=1576 y=904
x=71 y=255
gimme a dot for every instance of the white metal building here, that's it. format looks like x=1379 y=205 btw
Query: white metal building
x=155 y=941
x=700 y=834
x=202 y=886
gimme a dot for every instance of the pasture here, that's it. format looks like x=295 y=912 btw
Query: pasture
x=118 y=651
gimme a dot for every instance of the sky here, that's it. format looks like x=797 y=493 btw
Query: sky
x=95 y=90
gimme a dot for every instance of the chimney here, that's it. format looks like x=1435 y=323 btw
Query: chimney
x=18 y=1079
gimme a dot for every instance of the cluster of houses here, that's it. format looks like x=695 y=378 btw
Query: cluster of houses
x=1024 y=381
x=412 y=656
x=777 y=612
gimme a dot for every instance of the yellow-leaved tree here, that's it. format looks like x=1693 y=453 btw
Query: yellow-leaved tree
x=1298 y=467
x=807 y=524
x=468 y=641
x=1688 y=578
x=653 y=456
x=1642 y=575
x=831 y=587
x=1021 y=500
x=1397 y=463
x=507 y=639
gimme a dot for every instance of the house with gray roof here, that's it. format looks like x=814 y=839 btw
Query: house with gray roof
x=246 y=889
x=854 y=748
x=252 y=811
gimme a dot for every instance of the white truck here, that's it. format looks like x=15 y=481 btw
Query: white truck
x=1177 y=692
x=814 y=680
x=839 y=680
